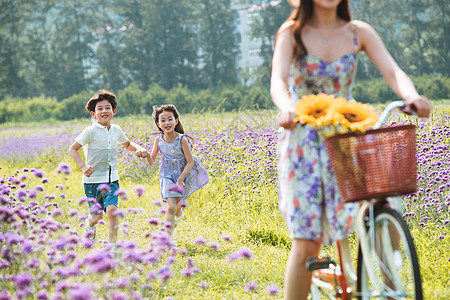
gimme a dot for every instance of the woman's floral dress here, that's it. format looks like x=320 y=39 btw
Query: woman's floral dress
x=309 y=198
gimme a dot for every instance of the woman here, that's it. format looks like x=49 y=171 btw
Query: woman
x=316 y=52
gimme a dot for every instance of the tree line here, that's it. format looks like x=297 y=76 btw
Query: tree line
x=134 y=101
x=61 y=48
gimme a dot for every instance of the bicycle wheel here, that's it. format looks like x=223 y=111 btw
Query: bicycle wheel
x=394 y=260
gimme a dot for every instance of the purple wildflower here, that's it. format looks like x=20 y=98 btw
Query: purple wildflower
x=22 y=280
x=251 y=286
x=38 y=173
x=122 y=193
x=139 y=190
x=273 y=289
x=63 y=168
x=119 y=212
x=200 y=240
x=151 y=275
x=4 y=263
x=214 y=245
x=240 y=253
x=157 y=202
x=153 y=221
x=104 y=187
x=32 y=193
x=176 y=188
x=226 y=238
x=165 y=273
x=41 y=295
x=187 y=271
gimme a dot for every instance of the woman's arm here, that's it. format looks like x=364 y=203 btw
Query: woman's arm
x=189 y=159
x=396 y=78
x=151 y=159
x=282 y=58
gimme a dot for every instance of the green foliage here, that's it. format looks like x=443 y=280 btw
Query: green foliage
x=29 y=110
x=377 y=90
x=132 y=100
x=73 y=107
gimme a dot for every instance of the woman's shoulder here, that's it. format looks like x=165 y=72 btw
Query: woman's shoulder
x=364 y=30
x=286 y=26
x=362 y=27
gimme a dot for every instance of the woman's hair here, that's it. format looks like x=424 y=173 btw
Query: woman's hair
x=301 y=15
x=159 y=109
x=100 y=96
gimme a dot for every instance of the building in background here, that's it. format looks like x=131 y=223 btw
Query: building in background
x=248 y=58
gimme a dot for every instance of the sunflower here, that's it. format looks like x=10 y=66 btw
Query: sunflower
x=356 y=116
x=315 y=110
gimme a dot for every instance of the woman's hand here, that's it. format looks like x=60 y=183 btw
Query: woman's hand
x=286 y=120
x=421 y=105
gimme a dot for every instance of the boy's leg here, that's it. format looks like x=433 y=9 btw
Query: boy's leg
x=111 y=201
x=93 y=219
x=113 y=223
x=95 y=214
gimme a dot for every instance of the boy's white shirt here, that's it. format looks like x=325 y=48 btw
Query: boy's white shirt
x=100 y=149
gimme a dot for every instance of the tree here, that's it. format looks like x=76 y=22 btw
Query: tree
x=218 y=42
x=12 y=27
x=73 y=44
x=271 y=16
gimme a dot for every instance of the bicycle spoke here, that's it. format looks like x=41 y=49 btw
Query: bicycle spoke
x=393 y=260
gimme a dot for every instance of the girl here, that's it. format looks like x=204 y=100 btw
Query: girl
x=180 y=173
x=316 y=52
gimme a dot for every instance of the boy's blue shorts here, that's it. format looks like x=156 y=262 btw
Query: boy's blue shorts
x=105 y=199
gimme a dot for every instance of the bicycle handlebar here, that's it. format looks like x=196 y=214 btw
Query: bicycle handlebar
x=406 y=108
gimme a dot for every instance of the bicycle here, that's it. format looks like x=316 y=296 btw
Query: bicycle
x=376 y=165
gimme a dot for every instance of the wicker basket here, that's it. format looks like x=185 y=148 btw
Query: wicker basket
x=377 y=164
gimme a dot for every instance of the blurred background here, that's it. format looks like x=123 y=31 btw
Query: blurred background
x=196 y=54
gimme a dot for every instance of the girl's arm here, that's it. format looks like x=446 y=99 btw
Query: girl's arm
x=140 y=151
x=73 y=152
x=189 y=159
x=151 y=159
x=281 y=62
x=399 y=82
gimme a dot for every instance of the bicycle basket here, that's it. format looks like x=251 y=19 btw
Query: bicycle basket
x=379 y=163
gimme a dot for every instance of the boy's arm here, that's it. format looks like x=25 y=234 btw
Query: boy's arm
x=189 y=159
x=151 y=159
x=140 y=151
x=73 y=152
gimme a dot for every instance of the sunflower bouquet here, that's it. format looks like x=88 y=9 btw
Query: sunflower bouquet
x=331 y=116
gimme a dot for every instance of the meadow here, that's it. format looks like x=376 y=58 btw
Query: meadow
x=233 y=242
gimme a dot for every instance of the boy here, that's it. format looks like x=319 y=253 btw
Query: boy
x=100 y=141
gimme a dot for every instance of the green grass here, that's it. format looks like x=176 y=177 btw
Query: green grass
x=251 y=219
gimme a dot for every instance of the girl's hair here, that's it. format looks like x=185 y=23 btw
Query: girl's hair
x=301 y=15
x=100 y=96
x=159 y=109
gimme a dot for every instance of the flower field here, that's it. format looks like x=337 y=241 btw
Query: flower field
x=233 y=243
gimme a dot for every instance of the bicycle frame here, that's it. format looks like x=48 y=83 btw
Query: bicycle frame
x=365 y=236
